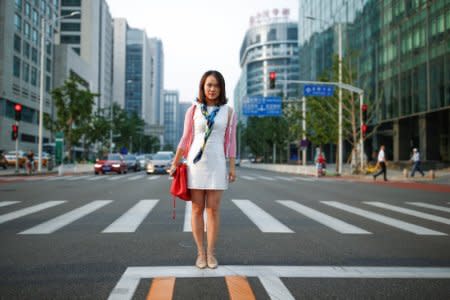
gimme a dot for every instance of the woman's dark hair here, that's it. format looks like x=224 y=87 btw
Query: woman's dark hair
x=222 y=99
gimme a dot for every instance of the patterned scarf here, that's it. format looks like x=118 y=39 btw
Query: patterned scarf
x=209 y=122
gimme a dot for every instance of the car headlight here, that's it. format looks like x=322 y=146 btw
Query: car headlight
x=97 y=166
x=150 y=166
x=116 y=165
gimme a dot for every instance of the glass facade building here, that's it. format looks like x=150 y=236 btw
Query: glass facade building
x=171 y=119
x=133 y=71
x=402 y=63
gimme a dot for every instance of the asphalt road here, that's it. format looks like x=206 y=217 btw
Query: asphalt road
x=282 y=237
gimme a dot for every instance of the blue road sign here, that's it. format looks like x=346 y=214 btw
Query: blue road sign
x=260 y=106
x=318 y=90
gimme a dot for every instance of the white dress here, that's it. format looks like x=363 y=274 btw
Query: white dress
x=210 y=172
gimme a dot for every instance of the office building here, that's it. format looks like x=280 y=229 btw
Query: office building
x=171 y=118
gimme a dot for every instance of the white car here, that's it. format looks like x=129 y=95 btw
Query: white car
x=160 y=163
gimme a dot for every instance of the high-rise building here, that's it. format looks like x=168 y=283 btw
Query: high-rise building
x=157 y=81
x=402 y=64
x=269 y=46
x=171 y=119
x=90 y=34
x=182 y=108
x=20 y=36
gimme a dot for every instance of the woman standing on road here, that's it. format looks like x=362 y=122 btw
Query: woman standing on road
x=209 y=136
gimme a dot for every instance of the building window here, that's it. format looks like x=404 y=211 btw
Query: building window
x=272 y=35
x=34 y=76
x=18 y=22
x=27 y=9
x=48 y=65
x=34 y=36
x=35 y=17
x=27 y=30
x=65 y=12
x=26 y=72
x=292 y=34
x=19 y=4
x=47 y=83
x=16 y=67
x=70 y=39
x=77 y=50
x=43 y=6
x=26 y=49
x=17 y=43
x=70 y=27
x=71 y=3
x=34 y=55
x=49 y=49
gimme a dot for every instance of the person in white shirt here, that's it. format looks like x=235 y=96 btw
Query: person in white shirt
x=382 y=163
x=415 y=158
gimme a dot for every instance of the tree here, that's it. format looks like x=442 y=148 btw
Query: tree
x=98 y=131
x=73 y=111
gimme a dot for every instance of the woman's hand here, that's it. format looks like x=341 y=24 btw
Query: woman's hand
x=172 y=169
x=232 y=174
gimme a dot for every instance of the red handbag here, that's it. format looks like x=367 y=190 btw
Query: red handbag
x=179 y=187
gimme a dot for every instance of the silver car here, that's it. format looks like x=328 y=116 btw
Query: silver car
x=160 y=163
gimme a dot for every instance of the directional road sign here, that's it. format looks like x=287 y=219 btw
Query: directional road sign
x=318 y=90
x=260 y=106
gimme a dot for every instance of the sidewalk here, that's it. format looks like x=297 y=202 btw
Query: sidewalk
x=67 y=169
x=440 y=176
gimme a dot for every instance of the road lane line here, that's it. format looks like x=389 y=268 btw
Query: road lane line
x=383 y=219
x=130 y=221
x=187 y=226
x=264 y=221
x=6 y=203
x=161 y=288
x=29 y=210
x=285 y=178
x=153 y=177
x=266 y=178
x=96 y=177
x=128 y=282
x=118 y=176
x=431 y=206
x=247 y=177
x=411 y=212
x=307 y=179
x=275 y=288
x=324 y=219
x=56 y=223
x=239 y=288
x=136 y=177
x=79 y=177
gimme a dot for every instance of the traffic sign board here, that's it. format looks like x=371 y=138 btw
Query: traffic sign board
x=318 y=90
x=262 y=106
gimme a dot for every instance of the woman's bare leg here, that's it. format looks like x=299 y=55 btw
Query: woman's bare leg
x=198 y=225
x=213 y=214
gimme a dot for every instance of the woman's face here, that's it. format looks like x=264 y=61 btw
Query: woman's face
x=211 y=88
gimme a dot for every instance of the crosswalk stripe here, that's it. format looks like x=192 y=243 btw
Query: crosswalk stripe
x=324 y=219
x=264 y=221
x=96 y=177
x=136 y=177
x=66 y=177
x=118 y=176
x=431 y=206
x=79 y=177
x=6 y=203
x=275 y=288
x=130 y=220
x=285 y=178
x=410 y=212
x=153 y=177
x=266 y=178
x=383 y=219
x=306 y=179
x=247 y=177
x=67 y=218
x=53 y=178
x=29 y=210
x=187 y=226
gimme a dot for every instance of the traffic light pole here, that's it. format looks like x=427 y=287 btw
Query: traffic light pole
x=17 y=151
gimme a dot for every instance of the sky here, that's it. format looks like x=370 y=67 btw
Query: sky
x=197 y=35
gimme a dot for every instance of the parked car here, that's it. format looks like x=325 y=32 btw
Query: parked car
x=11 y=158
x=113 y=162
x=167 y=152
x=143 y=160
x=160 y=163
x=132 y=162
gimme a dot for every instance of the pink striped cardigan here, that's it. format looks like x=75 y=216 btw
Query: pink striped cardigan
x=188 y=134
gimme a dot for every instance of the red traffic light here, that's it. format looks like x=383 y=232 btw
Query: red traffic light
x=14 y=132
x=18 y=107
x=364 y=107
x=364 y=128
x=272 y=75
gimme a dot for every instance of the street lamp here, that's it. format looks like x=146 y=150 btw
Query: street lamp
x=340 y=142
x=42 y=83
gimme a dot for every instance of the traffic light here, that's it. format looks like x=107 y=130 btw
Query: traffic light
x=15 y=132
x=18 y=111
x=272 y=78
x=364 y=119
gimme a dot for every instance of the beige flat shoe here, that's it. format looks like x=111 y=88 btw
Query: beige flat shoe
x=201 y=261
x=212 y=261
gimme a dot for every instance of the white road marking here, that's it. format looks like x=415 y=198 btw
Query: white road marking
x=136 y=177
x=128 y=282
x=79 y=177
x=307 y=179
x=65 y=219
x=118 y=176
x=411 y=212
x=285 y=178
x=247 y=177
x=96 y=177
x=29 y=210
x=187 y=227
x=275 y=288
x=153 y=177
x=131 y=220
x=383 y=219
x=266 y=178
x=431 y=206
x=6 y=203
x=324 y=219
x=264 y=221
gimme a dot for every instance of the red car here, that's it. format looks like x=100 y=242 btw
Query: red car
x=112 y=163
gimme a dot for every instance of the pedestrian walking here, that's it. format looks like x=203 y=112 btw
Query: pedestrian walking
x=415 y=158
x=381 y=162
x=320 y=162
x=209 y=137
